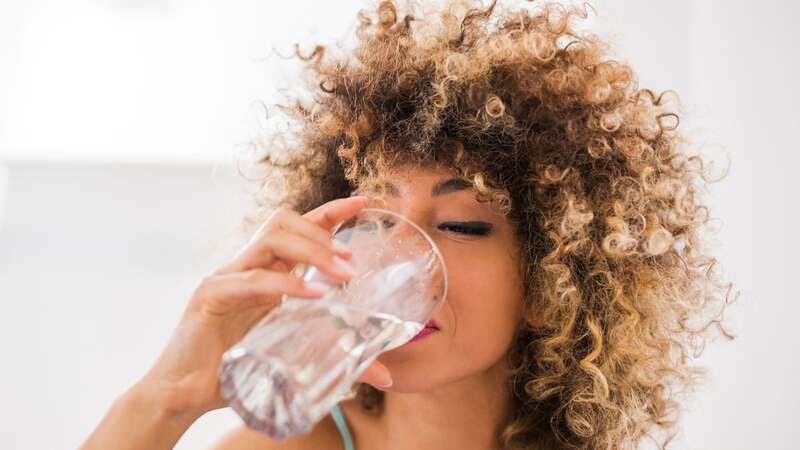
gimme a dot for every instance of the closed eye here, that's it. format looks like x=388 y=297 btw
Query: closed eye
x=472 y=228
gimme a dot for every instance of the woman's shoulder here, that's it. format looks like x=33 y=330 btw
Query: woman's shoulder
x=323 y=435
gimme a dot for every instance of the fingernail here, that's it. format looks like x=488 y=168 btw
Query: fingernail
x=341 y=246
x=386 y=382
x=318 y=287
x=344 y=265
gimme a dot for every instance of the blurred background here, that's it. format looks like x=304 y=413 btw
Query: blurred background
x=122 y=121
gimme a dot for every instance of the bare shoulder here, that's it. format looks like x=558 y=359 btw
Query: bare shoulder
x=323 y=435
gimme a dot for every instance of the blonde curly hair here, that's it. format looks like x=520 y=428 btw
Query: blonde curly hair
x=590 y=169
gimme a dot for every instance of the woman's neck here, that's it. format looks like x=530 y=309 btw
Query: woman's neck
x=464 y=415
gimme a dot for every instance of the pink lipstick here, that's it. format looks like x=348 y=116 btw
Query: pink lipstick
x=430 y=327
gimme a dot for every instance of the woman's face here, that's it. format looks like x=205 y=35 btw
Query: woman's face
x=483 y=304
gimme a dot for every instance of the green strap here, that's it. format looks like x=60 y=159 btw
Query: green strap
x=338 y=417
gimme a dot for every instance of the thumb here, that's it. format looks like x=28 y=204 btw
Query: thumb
x=377 y=375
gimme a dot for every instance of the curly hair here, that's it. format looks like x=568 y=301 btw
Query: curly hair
x=605 y=199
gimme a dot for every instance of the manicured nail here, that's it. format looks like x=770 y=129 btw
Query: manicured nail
x=344 y=265
x=341 y=246
x=385 y=382
x=318 y=287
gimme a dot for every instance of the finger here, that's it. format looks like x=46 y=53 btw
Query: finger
x=325 y=216
x=238 y=262
x=281 y=245
x=332 y=213
x=377 y=375
x=234 y=291
x=292 y=221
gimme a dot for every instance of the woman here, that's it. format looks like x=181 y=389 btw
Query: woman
x=563 y=202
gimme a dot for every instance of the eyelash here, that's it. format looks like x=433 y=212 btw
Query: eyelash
x=470 y=228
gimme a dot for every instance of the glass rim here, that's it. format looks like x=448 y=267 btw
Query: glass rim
x=427 y=237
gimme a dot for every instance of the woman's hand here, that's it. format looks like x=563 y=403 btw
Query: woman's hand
x=229 y=302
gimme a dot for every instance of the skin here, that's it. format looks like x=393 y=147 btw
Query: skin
x=183 y=383
x=449 y=388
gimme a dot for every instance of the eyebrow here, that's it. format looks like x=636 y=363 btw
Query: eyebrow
x=439 y=189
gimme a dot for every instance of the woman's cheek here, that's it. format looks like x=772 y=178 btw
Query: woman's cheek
x=493 y=299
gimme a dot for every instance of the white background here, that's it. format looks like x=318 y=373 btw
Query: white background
x=120 y=121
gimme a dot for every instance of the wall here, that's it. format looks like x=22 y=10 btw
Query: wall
x=120 y=120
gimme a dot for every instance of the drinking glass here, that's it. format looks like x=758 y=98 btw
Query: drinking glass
x=303 y=357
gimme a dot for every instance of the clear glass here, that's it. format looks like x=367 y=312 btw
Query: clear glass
x=303 y=357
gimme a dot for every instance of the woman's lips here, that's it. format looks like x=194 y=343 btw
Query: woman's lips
x=430 y=327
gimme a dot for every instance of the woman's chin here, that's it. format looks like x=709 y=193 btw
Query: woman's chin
x=409 y=376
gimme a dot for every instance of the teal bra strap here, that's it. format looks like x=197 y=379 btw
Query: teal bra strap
x=338 y=417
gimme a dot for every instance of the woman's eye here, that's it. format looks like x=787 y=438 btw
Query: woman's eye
x=473 y=228
x=470 y=228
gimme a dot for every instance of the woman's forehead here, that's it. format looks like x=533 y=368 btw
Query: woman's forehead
x=442 y=188
x=410 y=174
x=436 y=183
